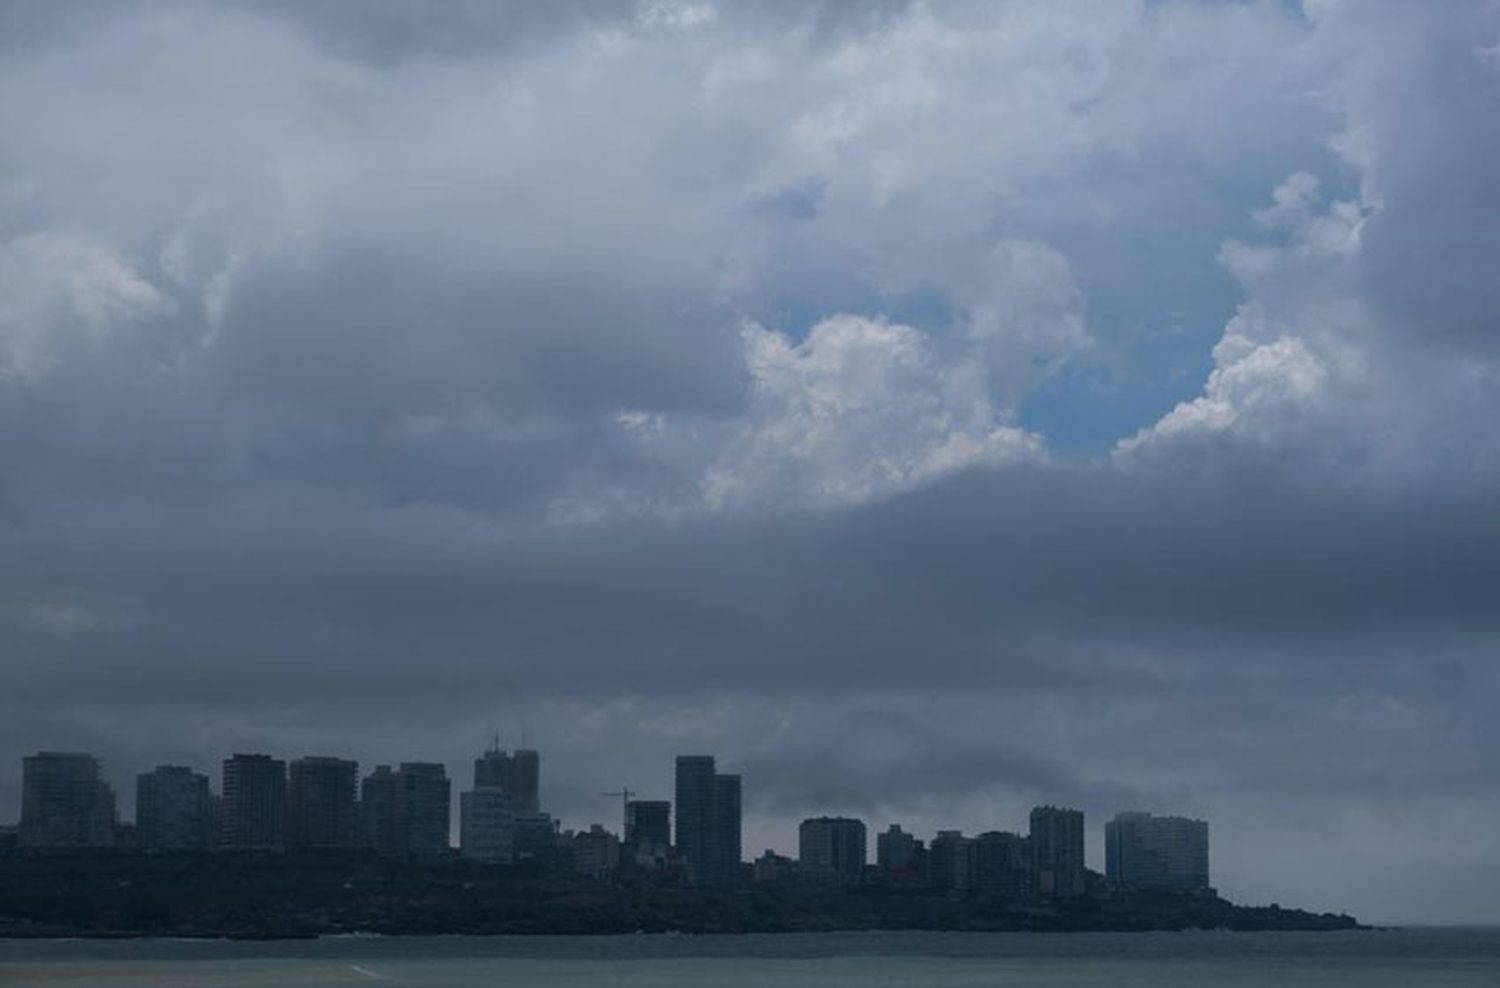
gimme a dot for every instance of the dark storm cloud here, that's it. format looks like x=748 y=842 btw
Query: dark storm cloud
x=1022 y=580
x=373 y=373
x=903 y=765
x=365 y=335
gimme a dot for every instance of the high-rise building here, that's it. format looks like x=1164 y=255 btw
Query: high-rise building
x=895 y=850
x=487 y=825
x=407 y=811
x=950 y=862
x=377 y=811
x=492 y=770
x=1057 y=852
x=526 y=779
x=500 y=819
x=1156 y=852
x=252 y=814
x=831 y=849
x=424 y=808
x=1002 y=865
x=321 y=811
x=900 y=858
x=65 y=802
x=174 y=809
x=648 y=825
x=517 y=774
x=697 y=804
x=709 y=822
x=728 y=822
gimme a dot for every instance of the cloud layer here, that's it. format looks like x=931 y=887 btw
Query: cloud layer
x=932 y=408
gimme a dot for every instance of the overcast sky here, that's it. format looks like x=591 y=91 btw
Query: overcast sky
x=930 y=409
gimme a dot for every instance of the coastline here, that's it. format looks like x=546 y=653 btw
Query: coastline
x=247 y=898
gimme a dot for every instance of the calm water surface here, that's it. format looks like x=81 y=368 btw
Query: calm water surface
x=1412 y=958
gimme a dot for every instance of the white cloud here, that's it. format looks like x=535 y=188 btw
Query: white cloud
x=677 y=15
x=923 y=155
x=860 y=408
x=57 y=289
x=1252 y=388
x=1293 y=357
x=1022 y=309
x=1292 y=202
x=1367 y=325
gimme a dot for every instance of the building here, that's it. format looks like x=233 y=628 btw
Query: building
x=728 y=822
x=492 y=770
x=596 y=853
x=648 y=827
x=1057 y=852
x=698 y=835
x=648 y=823
x=896 y=852
x=950 y=862
x=709 y=822
x=174 y=810
x=65 y=802
x=526 y=779
x=772 y=869
x=518 y=775
x=536 y=836
x=424 y=809
x=500 y=819
x=321 y=811
x=648 y=835
x=1001 y=865
x=377 y=811
x=408 y=811
x=831 y=849
x=487 y=825
x=1142 y=851
x=252 y=812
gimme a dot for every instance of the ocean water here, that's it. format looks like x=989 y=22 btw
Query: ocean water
x=1411 y=958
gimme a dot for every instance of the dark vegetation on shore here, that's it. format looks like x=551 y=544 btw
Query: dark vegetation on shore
x=275 y=896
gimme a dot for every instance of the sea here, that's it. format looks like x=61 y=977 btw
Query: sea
x=1408 y=958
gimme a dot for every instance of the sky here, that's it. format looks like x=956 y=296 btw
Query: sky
x=931 y=409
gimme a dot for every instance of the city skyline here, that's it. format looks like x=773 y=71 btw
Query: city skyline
x=320 y=802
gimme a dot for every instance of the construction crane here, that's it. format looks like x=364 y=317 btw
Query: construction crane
x=624 y=796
